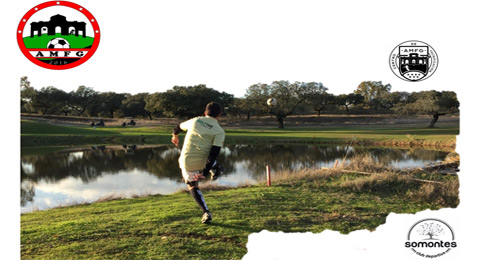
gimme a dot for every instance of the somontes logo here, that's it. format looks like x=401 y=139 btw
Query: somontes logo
x=431 y=238
x=58 y=35
x=413 y=61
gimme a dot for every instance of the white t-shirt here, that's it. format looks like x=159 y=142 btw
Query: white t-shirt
x=202 y=134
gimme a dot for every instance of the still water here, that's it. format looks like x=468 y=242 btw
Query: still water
x=86 y=174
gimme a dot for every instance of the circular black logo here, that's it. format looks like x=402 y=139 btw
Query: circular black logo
x=413 y=61
x=431 y=238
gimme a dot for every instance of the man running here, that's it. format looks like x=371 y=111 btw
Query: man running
x=201 y=147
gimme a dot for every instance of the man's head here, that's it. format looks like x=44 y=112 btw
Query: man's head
x=213 y=109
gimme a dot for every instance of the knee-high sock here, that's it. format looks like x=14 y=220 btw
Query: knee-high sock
x=198 y=197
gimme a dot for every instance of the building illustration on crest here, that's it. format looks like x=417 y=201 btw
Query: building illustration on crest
x=414 y=62
x=414 y=59
x=66 y=27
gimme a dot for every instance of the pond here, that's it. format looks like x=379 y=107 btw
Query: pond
x=86 y=174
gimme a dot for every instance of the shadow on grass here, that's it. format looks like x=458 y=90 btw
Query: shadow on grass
x=235 y=227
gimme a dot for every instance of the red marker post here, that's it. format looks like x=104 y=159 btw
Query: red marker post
x=268 y=176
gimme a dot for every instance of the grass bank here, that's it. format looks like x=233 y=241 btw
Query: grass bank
x=43 y=134
x=168 y=227
x=355 y=135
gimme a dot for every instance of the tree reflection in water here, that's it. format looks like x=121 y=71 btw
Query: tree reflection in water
x=246 y=161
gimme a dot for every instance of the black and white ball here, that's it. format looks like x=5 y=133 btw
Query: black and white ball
x=272 y=101
x=58 y=43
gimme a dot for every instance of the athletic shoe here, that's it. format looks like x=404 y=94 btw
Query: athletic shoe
x=216 y=172
x=207 y=217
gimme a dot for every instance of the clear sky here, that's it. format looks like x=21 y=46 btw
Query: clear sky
x=150 y=46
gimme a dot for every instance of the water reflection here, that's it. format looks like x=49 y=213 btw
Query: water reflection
x=86 y=174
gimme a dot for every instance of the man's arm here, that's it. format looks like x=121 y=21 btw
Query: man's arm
x=180 y=128
x=212 y=157
x=175 y=133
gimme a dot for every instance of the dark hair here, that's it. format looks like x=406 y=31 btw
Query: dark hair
x=213 y=109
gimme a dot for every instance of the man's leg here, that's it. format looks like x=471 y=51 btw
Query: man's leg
x=197 y=195
x=191 y=178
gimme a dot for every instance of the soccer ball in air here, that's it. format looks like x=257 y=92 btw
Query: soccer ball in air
x=58 y=43
x=272 y=101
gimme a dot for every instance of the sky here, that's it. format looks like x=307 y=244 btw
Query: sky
x=151 y=46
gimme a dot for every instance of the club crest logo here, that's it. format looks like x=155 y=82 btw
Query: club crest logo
x=58 y=35
x=413 y=61
x=431 y=238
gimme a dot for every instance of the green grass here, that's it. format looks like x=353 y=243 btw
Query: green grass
x=40 y=42
x=43 y=134
x=168 y=227
x=44 y=129
x=346 y=133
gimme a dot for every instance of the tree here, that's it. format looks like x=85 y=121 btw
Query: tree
x=432 y=103
x=134 y=105
x=240 y=107
x=373 y=92
x=111 y=102
x=153 y=104
x=321 y=101
x=347 y=100
x=393 y=99
x=430 y=229
x=82 y=99
x=257 y=95
x=190 y=101
x=65 y=106
x=48 y=100
x=289 y=96
x=27 y=93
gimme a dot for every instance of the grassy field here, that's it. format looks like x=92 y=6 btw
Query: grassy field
x=365 y=135
x=43 y=134
x=42 y=41
x=168 y=227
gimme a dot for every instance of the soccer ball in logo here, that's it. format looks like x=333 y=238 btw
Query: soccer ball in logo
x=58 y=35
x=272 y=101
x=58 y=43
